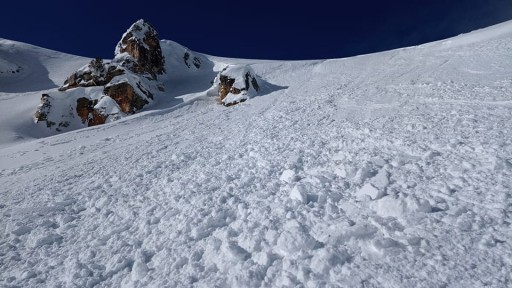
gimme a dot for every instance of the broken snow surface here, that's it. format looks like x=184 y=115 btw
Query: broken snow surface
x=384 y=170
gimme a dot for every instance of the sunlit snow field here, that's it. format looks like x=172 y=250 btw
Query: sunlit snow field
x=385 y=170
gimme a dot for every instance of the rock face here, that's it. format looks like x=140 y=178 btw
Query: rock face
x=127 y=83
x=141 y=42
x=88 y=113
x=235 y=84
x=126 y=96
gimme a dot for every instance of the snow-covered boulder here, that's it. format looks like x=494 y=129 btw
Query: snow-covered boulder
x=235 y=84
x=43 y=113
x=96 y=73
x=58 y=113
x=141 y=42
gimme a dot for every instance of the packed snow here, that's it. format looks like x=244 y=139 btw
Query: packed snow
x=384 y=170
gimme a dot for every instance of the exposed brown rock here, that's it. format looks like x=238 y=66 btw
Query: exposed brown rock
x=88 y=114
x=142 y=43
x=225 y=86
x=83 y=109
x=97 y=118
x=126 y=97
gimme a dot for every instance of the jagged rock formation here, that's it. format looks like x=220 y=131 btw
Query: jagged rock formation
x=235 y=84
x=129 y=81
x=141 y=42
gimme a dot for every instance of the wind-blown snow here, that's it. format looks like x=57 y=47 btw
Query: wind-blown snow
x=385 y=170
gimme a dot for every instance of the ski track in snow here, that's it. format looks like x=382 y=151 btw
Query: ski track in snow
x=384 y=170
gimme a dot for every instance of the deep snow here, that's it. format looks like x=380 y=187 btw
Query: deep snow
x=384 y=170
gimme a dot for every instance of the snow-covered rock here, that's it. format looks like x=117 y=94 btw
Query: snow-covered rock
x=130 y=80
x=44 y=113
x=96 y=73
x=236 y=84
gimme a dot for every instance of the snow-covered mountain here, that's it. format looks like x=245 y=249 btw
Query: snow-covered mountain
x=384 y=170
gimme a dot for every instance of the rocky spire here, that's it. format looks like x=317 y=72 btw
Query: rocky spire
x=141 y=42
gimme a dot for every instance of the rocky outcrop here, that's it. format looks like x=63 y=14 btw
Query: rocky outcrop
x=141 y=42
x=43 y=114
x=96 y=73
x=126 y=96
x=85 y=108
x=235 y=84
x=126 y=84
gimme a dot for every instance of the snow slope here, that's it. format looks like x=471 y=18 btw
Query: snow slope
x=36 y=71
x=384 y=170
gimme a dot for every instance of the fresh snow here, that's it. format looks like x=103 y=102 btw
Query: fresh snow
x=385 y=170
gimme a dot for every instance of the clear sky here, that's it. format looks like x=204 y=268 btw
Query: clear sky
x=250 y=29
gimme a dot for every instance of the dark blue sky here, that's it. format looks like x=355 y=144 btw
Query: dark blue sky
x=248 y=28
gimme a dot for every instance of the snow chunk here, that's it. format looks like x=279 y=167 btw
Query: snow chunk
x=294 y=239
x=47 y=240
x=369 y=190
x=288 y=176
x=299 y=193
x=324 y=260
x=400 y=207
x=365 y=172
x=139 y=270
x=381 y=180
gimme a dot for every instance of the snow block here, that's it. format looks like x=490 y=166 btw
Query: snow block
x=299 y=193
x=400 y=207
x=288 y=176
x=370 y=191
